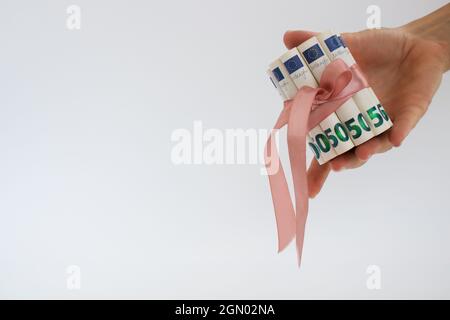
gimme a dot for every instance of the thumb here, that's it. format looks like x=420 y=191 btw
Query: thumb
x=294 y=38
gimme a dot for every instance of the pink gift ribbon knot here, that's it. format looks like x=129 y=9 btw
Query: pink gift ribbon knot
x=305 y=111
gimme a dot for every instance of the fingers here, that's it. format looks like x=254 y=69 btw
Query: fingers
x=358 y=43
x=317 y=174
x=405 y=121
x=376 y=145
x=359 y=156
x=352 y=41
x=348 y=160
x=294 y=38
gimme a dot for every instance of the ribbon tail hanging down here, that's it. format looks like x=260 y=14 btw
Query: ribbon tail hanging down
x=282 y=203
x=297 y=132
x=308 y=108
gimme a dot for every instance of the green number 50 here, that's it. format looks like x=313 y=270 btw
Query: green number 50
x=375 y=115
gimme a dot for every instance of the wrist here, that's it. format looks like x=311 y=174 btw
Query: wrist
x=435 y=28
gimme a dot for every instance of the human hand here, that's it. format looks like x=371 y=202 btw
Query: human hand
x=404 y=70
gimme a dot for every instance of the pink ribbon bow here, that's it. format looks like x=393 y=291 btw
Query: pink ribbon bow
x=308 y=108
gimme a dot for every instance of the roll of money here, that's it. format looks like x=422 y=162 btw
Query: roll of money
x=302 y=75
x=320 y=143
x=276 y=85
x=366 y=100
x=355 y=125
x=289 y=89
x=285 y=83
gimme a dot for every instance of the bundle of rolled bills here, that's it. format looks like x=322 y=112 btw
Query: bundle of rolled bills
x=356 y=121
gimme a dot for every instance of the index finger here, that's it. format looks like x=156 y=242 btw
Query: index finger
x=294 y=38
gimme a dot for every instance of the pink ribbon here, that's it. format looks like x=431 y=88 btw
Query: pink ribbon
x=308 y=108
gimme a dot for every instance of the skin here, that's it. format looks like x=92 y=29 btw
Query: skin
x=404 y=67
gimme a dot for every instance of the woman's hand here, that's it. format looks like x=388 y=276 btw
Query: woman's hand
x=404 y=70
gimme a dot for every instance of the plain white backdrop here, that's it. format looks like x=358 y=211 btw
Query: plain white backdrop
x=86 y=177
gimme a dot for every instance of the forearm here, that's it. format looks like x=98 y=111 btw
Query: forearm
x=435 y=27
